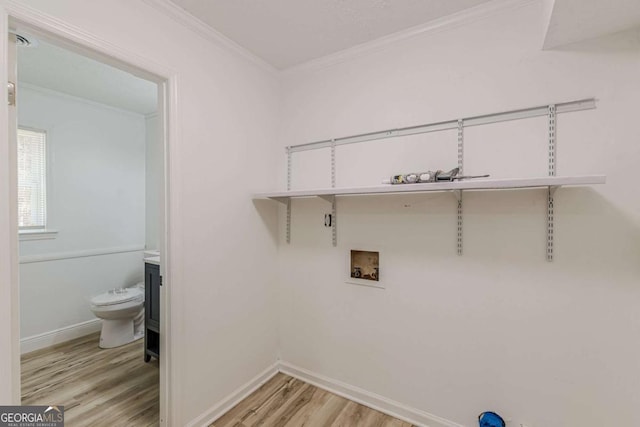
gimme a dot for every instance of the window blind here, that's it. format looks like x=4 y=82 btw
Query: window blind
x=32 y=187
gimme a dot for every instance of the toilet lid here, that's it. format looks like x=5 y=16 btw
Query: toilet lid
x=117 y=296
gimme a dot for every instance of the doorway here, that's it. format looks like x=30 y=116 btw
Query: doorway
x=106 y=54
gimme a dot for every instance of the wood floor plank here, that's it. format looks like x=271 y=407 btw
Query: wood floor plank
x=253 y=402
x=284 y=401
x=284 y=414
x=317 y=402
x=266 y=413
x=98 y=387
x=351 y=415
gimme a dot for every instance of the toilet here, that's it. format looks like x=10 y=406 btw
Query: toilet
x=122 y=314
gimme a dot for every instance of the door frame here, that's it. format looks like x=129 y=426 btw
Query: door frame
x=16 y=16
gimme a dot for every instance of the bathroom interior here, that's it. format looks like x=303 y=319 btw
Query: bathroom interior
x=90 y=162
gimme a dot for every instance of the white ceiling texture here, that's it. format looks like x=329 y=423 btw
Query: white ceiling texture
x=61 y=70
x=286 y=33
x=289 y=32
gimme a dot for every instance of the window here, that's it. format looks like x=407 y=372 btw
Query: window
x=32 y=185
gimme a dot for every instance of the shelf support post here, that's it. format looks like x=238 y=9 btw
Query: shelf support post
x=334 y=221
x=288 y=220
x=460 y=146
x=552 y=172
x=334 y=217
x=552 y=140
x=334 y=209
x=288 y=232
x=459 y=193
x=550 y=225
x=333 y=163
x=460 y=223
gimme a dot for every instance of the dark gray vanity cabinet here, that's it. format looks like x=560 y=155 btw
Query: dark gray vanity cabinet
x=152 y=283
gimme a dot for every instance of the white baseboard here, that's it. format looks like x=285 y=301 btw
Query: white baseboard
x=57 y=336
x=366 y=398
x=234 y=398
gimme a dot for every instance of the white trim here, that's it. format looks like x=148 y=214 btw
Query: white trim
x=222 y=407
x=172 y=303
x=53 y=92
x=445 y=23
x=9 y=268
x=206 y=31
x=57 y=336
x=26 y=235
x=29 y=259
x=366 y=398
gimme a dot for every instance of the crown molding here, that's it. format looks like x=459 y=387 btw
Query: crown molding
x=448 y=22
x=445 y=23
x=206 y=31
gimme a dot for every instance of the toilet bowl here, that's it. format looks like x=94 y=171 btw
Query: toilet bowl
x=122 y=314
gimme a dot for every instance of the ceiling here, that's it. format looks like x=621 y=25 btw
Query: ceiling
x=286 y=33
x=61 y=70
x=289 y=32
x=575 y=20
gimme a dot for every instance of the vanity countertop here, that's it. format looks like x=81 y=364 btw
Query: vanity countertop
x=152 y=260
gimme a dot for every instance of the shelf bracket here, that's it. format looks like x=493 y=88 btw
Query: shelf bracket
x=329 y=198
x=282 y=200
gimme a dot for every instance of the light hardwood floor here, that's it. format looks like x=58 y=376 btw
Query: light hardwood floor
x=287 y=402
x=114 y=387
x=98 y=387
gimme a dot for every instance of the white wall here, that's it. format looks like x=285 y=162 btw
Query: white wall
x=96 y=203
x=544 y=344
x=547 y=344
x=221 y=253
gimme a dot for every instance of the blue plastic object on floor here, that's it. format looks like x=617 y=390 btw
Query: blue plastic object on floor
x=491 y=419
